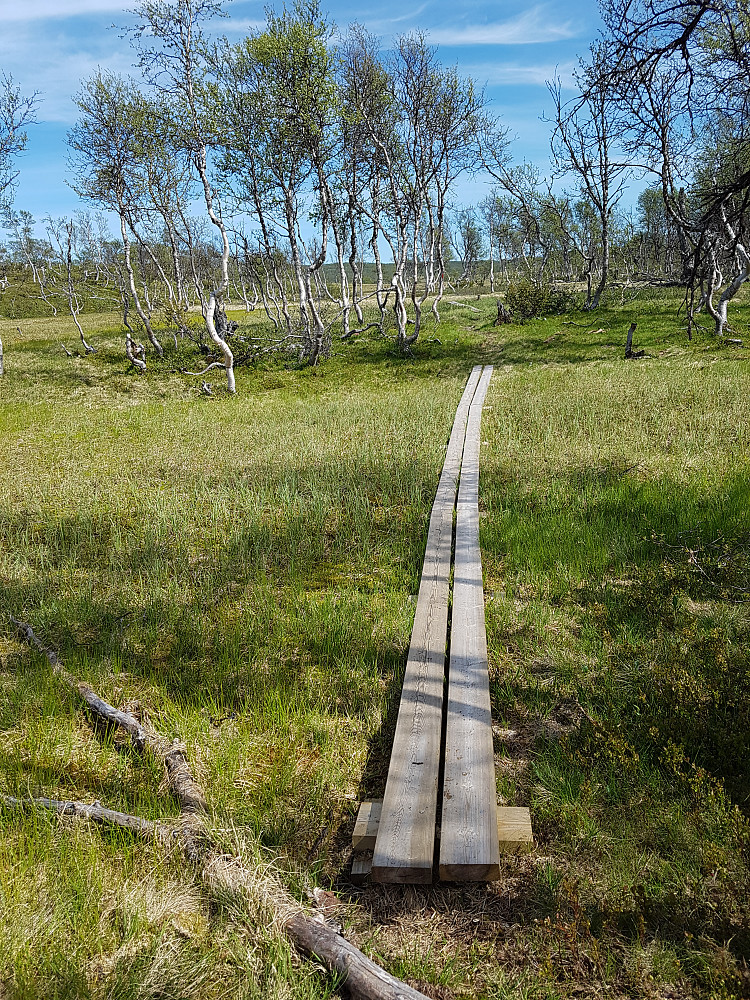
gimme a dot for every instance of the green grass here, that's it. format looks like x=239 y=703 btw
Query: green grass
x=242 y=568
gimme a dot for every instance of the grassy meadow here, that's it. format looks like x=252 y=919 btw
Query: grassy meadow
x=242 y=570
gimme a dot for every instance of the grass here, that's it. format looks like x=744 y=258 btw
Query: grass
x=242 y=568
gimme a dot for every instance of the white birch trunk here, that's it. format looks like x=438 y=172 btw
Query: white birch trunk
x=131 y=282
x=217 y=295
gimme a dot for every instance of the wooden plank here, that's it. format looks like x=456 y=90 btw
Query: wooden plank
x=514 y=832
x=405 y=845
x=366 y=826
x=469 y=848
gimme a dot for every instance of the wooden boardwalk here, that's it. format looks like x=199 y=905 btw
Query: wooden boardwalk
x=469 y=849
x=405 y=843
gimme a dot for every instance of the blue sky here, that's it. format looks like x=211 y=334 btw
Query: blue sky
x=50 y=45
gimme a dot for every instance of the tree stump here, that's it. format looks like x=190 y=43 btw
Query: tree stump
x=629 y=352
x=503 y=315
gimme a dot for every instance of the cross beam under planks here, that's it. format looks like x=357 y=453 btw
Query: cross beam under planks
x=405 y=845
x=468 y=830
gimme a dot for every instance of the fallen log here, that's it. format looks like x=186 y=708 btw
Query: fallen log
x=97 y=813
x=179 y=773
x=363 y=978
x=463 y=305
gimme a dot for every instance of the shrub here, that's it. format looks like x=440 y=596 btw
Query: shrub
x=527 y=300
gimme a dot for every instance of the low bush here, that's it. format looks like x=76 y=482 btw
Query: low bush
x=526 y=300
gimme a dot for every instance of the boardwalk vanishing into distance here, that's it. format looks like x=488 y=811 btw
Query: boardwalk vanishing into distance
x=404 y=846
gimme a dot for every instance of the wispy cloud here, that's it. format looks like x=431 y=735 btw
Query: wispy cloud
x=538 y=24
x=34 y=10
x=380 y=21
x=236 y=26
x=60 y=61
x=409 y=15
x=509 y=74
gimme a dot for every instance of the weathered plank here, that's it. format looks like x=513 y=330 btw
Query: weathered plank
x=366 y=825
x=514 y=832
x=469 y=848
x=405 y=845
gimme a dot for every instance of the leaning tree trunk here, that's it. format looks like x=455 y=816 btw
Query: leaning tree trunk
x=719 y=311
x=134 y=352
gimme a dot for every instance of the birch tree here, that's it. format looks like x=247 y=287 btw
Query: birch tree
x=65 y=236
x=17 y=112
x=369 y=119
x=171 y=49
x=106 y=145
x=279 y=105
x=682 y=73
x=584 y=143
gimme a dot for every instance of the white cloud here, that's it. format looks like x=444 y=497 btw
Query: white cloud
x=34 y=10
x=54 y=62
x=236 y=26
x=408 y=16
x=503 y=74
x=380 y=22
x=538 y=24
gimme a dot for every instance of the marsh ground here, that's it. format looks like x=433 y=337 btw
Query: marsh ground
x=243 y=570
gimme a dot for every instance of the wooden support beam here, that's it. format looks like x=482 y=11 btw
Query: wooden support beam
x=514 y=832
x=366 y=826
x=361 y=868
x=469 y=838
x=405 y=845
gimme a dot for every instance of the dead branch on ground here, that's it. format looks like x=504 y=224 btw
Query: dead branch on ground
x=363 y=979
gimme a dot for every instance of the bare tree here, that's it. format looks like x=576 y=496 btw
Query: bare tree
x=682 y=73
x=32 y=251
x=584 y=143
x=64 y=233
x=16 y=113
